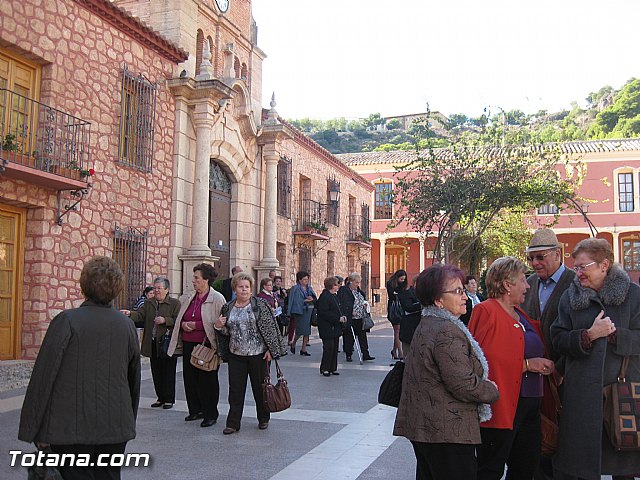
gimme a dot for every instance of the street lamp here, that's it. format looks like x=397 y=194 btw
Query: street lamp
x=334 y=191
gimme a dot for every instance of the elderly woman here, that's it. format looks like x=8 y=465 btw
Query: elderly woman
x=331 y=321
x=77 y=417
x=198 y=312
x=301 y=300
x=512 y=343
x=249 y=339
x=598 y=325
x=354 y=305
x=157 y=316
x=445 y=389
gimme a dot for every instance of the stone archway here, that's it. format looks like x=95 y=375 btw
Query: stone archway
x=220 y=217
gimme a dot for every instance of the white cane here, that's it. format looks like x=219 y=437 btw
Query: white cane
x=356 y=343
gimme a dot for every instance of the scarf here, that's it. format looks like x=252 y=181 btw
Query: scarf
x=484 y=409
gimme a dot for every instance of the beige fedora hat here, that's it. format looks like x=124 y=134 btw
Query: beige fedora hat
x=543 y=239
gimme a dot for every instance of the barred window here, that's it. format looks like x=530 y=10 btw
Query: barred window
x=304 y=259
x=364 y=281
x=284 y=187
x=130 y=252
x=366 y=222
x=384 y=200
x=137 y=121
x=549 y=209
x=625 y=192
x=333 y=208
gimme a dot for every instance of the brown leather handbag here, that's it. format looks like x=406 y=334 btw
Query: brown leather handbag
x=549 y=423
x=276 y=397
x=621 y=411
x=205 y=358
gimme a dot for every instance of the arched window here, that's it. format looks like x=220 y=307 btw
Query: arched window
x=244 y=73
x=236 y=67
x=199 y=47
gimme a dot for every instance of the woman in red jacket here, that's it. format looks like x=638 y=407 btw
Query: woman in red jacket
x=513 y=345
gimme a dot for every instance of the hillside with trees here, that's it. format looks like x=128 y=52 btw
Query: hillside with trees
x=609 y=113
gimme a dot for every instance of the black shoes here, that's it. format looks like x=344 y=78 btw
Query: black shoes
x=349 y=359
x=207 y=423
x=305 y=354
x=368 y=358
x=263 y=425
x=335 y=373
x=157 y=404
x=167 y=406
x=326 y=374
x=229 y=430
x=193 y=416
x=292 y=348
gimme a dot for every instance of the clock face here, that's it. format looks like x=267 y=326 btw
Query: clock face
x=223 y=5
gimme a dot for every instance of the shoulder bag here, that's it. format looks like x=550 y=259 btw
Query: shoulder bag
x=622 y=411
x=276 y=397
x=163 y=344
x=549 y=425
x=396 y=312
x=391 y=387
x=205 y=358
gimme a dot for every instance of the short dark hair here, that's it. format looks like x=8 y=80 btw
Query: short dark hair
x=264 y=281
x=207 y=271
x=469 y=278
x=147 y=290
x=101 y=280
x=330 y=282
x=277 y=277
x=301 y=274
x=431 y=282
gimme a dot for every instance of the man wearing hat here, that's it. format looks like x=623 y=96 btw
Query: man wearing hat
x=548 y=282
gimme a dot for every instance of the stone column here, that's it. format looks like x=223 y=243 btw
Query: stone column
x=270 y=210
x=616 y=247
x=203 y=119
x=422 y=262
x=383 y=266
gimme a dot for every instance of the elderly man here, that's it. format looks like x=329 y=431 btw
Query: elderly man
x=158 y=315
x=549 y=281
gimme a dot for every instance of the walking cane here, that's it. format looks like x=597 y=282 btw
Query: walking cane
x=356 y=343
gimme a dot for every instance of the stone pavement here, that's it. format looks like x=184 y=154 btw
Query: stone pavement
x=334 y=430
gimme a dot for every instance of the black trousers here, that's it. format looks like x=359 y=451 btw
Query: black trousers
x=240 y=368
x=163 y=371
x=445 y=461
x=519 y=448
x=95 y=472
x=201 y=388
x=329 y=362
x=348 y=340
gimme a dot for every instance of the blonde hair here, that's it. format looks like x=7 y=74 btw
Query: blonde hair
x=504 y=268
x=238 y=277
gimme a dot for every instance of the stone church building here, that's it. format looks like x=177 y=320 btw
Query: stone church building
x=135 y=130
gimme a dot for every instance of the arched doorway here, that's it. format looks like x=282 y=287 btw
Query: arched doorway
x=219 y=217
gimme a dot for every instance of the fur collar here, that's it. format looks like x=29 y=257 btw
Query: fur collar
x=484 y=409
x=613 y=291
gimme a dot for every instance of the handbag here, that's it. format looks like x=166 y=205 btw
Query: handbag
x=276 y=398
x=622 y=412
x=314 y=317
x=205 y=358
x=43 y=471
x=396 y=312
x=391 y=386
x=367 y=323
x=549 y=425
x=163 y=344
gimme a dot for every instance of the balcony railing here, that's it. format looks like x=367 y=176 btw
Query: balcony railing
x=38 y=136
x=359 y=229
x=313 y=216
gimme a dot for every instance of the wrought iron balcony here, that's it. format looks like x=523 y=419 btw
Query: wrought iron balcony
x=359 y=229
x=312 y=220
x=42 y=144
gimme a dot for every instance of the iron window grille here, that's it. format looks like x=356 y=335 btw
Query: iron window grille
x=284 y=187
x=384 y=201
x=137 y=121
x=130 y=251
x=364 y=281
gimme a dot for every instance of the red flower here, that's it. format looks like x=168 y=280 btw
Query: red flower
x=92 y=172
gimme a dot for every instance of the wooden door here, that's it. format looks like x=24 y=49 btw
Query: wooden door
x=12 y=225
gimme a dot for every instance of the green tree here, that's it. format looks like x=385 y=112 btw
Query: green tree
x=394 y=124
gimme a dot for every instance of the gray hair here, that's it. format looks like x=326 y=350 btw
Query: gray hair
x=354 y=277
x=163 y=280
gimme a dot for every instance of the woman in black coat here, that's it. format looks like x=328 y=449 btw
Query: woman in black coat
x=411 y=319
x=331 y=321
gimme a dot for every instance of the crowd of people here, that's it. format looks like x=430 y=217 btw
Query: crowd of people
x=479 y=372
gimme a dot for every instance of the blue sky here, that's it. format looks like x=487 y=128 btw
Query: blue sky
x=350 y=58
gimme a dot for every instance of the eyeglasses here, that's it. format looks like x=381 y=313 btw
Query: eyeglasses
x=582 y=268
x=457 y=291
x=539 y=258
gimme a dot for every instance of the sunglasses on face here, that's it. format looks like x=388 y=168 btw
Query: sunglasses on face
x=539 y=258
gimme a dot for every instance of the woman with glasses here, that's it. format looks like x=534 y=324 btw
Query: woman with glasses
x=598 y=325
x=445 y=386
x=515 y=351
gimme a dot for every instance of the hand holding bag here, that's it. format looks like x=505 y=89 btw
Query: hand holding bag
x=163 y=344
x=205 y=358
x=276 y=397
x=621 y=411
x=367 y=322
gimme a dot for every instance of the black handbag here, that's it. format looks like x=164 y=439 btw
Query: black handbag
x=44 y=472
x=314 y=317
x=396 y=312
x=391 y=386
x=163 y=344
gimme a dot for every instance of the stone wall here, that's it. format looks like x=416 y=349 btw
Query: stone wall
x=81 y=57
